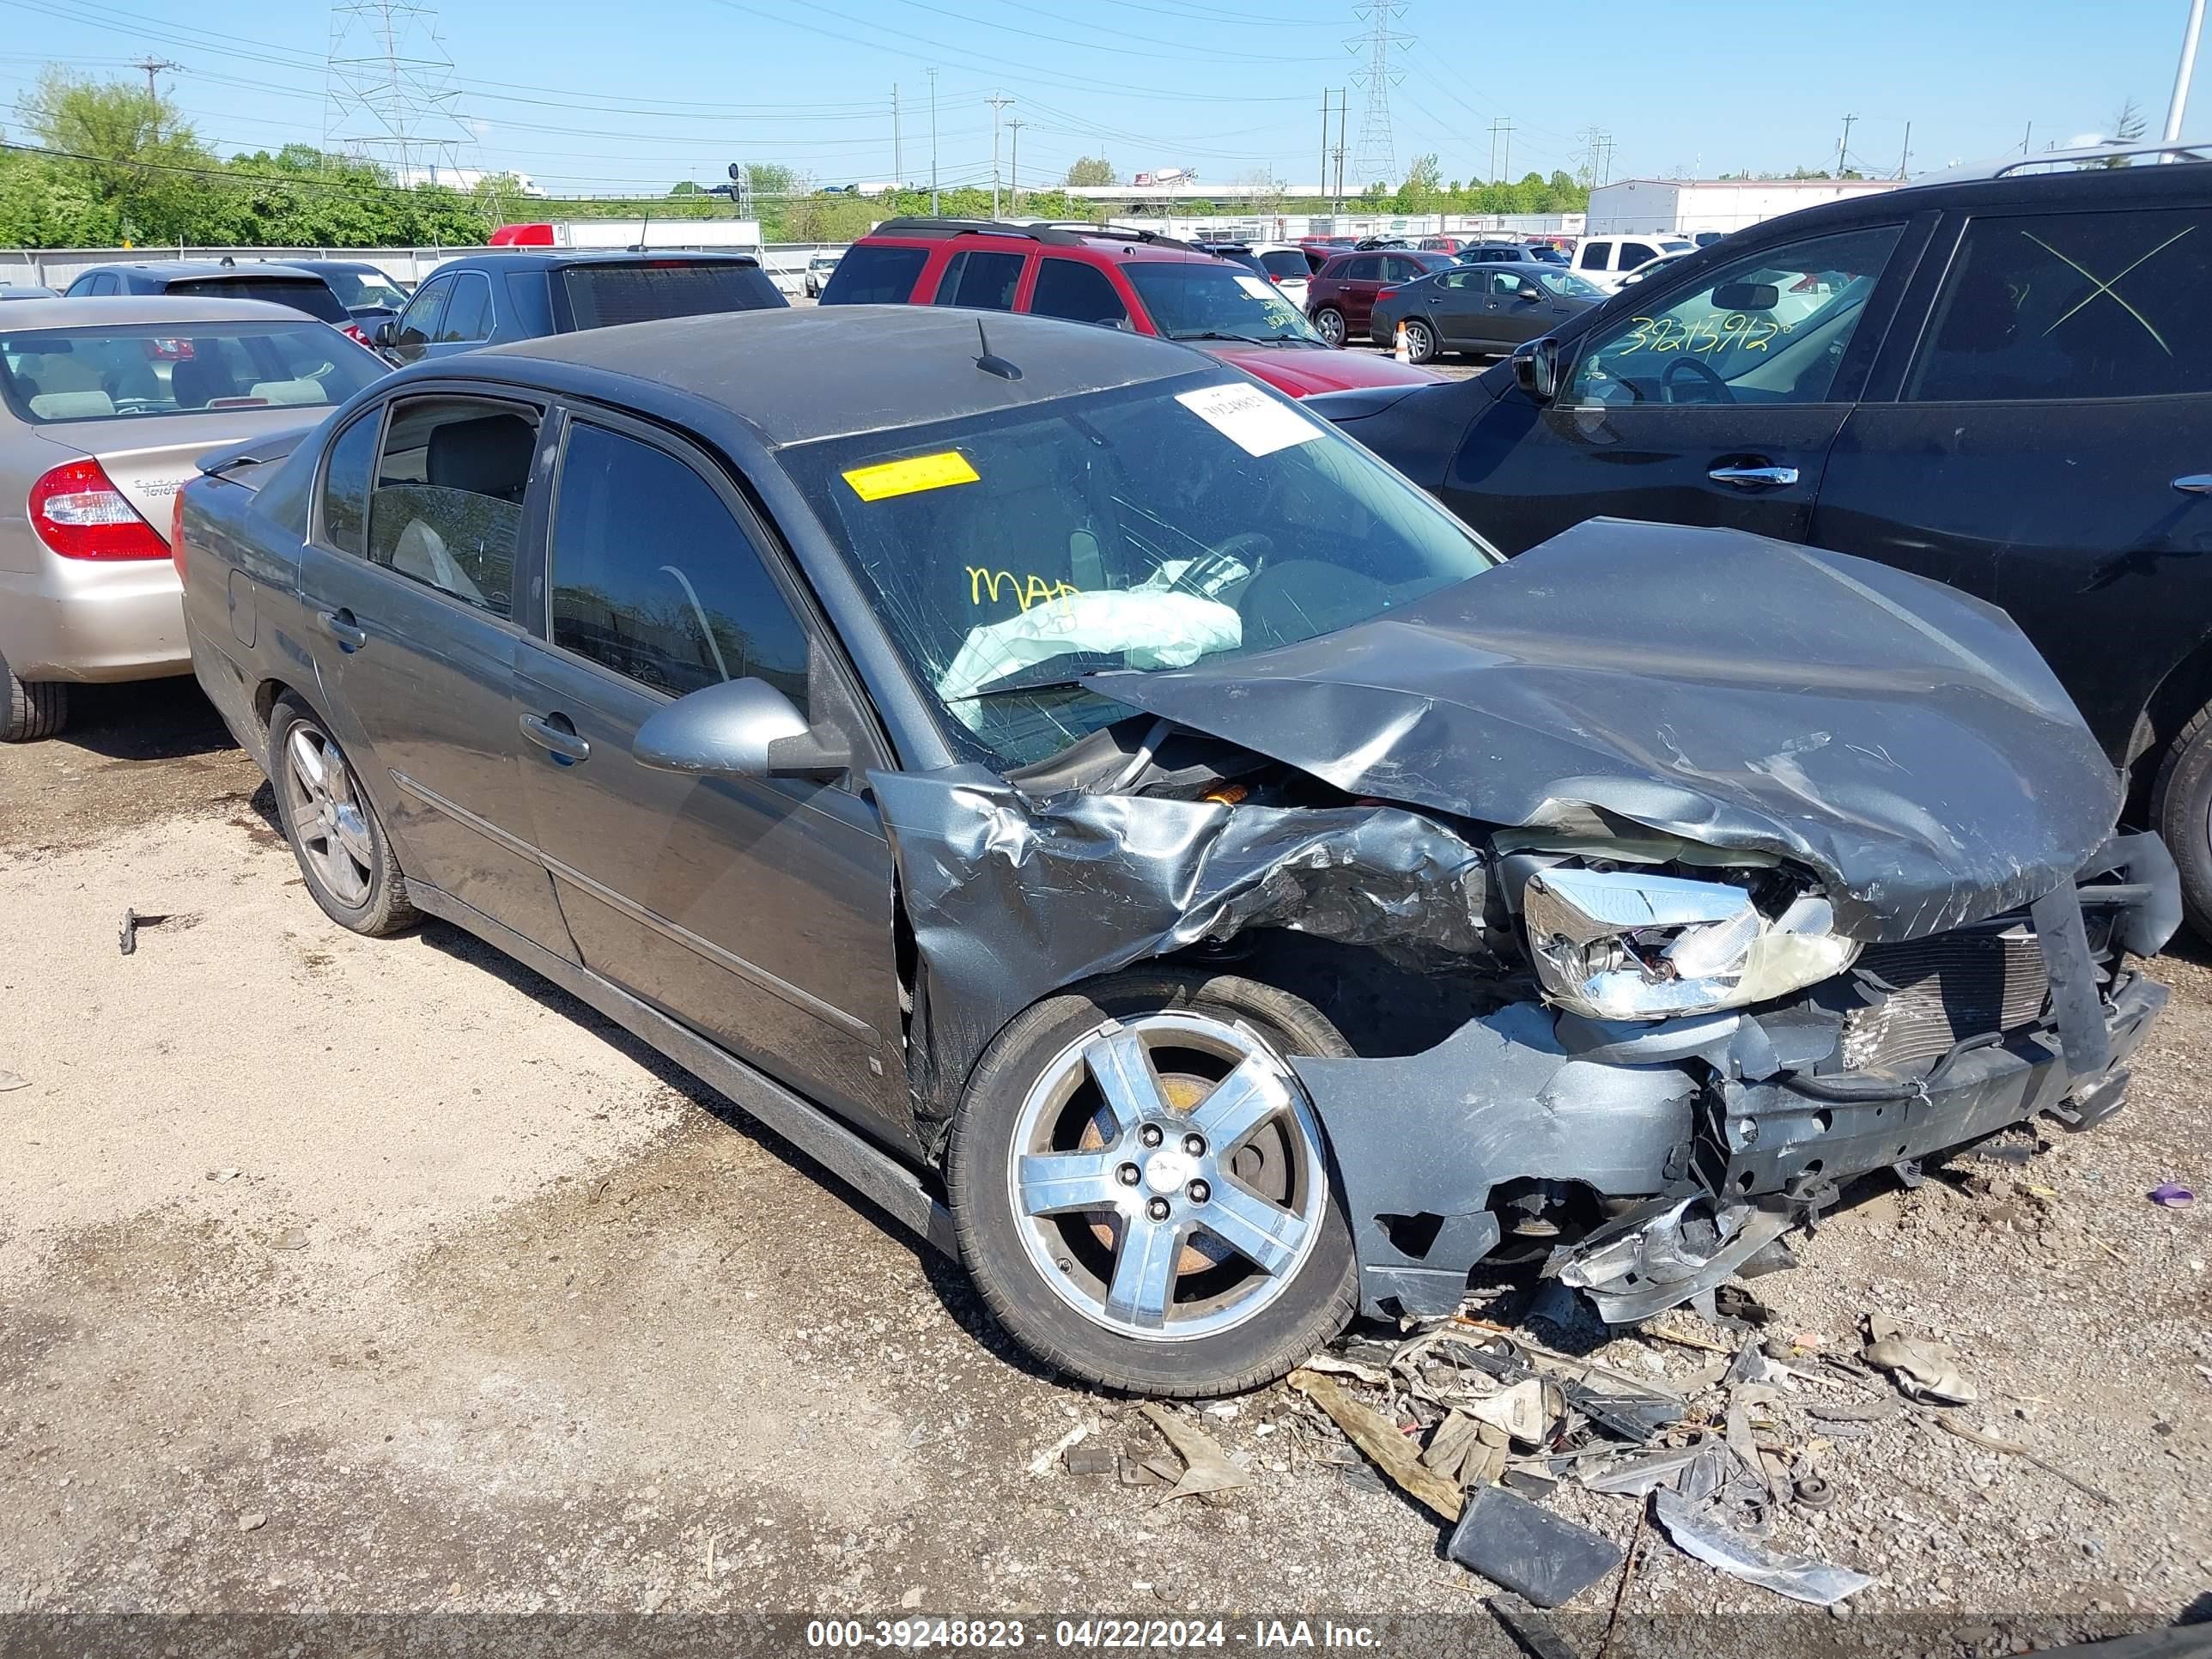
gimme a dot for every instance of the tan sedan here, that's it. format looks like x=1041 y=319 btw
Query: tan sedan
x=106 y=405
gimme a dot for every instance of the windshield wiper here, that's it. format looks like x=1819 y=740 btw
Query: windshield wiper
x=1216 y=334
x=1051 y=675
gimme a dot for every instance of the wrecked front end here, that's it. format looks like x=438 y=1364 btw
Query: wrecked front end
x=1644 y=938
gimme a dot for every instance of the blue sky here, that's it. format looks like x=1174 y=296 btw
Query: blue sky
x=602 y=98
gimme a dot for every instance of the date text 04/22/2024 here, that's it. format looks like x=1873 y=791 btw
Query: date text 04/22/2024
x=1086 y=1634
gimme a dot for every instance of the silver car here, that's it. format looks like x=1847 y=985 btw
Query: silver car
x=106 y=405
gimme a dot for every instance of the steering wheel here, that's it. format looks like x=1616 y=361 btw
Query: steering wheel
x=1705 y=370
x=1248 y=549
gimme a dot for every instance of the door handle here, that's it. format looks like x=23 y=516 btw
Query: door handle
x=563 y=741
x=1754 y=478
x=340 y=627
x=2194 y=483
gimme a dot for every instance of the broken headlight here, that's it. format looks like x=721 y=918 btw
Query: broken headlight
x=1629 y=945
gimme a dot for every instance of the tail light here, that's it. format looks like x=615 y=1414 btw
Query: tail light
x=1384 y=293
x=79 y=513
x=176 y=535
x=352 y=332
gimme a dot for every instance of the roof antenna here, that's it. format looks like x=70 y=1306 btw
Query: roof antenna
x=990 y=362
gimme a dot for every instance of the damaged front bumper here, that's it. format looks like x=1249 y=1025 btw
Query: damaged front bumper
x=1732 y=1126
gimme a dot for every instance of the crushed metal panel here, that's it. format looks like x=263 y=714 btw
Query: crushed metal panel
x=1012 y=898
x=1901 y=739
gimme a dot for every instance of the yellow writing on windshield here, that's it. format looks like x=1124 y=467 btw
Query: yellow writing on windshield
x=1709 y=334
x=1029 y=590
x=916 y=472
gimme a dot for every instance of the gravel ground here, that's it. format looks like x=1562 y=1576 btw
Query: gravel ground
x=346 y=1275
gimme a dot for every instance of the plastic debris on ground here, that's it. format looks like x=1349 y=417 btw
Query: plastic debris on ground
x=1207 y=1467
x=1702 y=1533
x=1525 y=1548
x=1924 y=1368
x=2171 y=1196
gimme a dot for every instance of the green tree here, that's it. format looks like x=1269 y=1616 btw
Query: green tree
x=2127 y=127
x=1091 y=170
x=1423 y=191
x=136 y=151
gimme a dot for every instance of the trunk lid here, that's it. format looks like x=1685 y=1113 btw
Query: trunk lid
x=151 y=457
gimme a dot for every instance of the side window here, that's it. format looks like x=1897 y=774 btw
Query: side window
x=346 y=474
x=653 y=577
x=1633 y=254
x=468 y=313
x=418 y=324
x=447 y=506
x=2077 y=304
x=1771 y=327
x=1365 y=269
x=1592 y=255
x=1080 y=293
x=982 y=282
x=870 y=276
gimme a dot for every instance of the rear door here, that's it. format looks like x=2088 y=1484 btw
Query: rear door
x=466 y=321
x=408 y=581
x=1699 y=406
x=2046 y=441
x=1356 y=290
x=981 y=279
x=756 y=910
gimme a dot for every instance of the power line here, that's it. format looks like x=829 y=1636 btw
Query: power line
x=389 y=86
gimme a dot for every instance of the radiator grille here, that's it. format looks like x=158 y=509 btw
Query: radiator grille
x=1950 y=987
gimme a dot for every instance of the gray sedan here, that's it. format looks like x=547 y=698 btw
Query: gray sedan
x=105 y=405
x=1490 y=308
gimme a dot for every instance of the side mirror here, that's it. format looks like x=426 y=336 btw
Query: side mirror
x=1747 y=296
x=386 y=334
x=1528 y=291
x=1536 y=368
x=730 y=729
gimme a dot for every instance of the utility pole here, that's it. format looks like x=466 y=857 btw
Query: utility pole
x=154 y=66
x=2027 y=138
x=1014 y=170
x=2183 y=75
x=932 y=140
x=1905 y=161
x=1502 y=125
x=998 y=101
x=898 y=155
x=1324 y=140
x=1340 y=101
x=1844 y=149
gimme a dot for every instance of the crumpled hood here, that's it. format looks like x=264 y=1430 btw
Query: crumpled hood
x=1901 y=739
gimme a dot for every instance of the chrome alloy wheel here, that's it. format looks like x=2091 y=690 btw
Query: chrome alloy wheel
x=327 y=816
x=1167 y=1176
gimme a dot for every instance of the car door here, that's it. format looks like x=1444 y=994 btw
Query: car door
x=1454 y=302
x=416 y=330
x=407 y=581
x=981 y=279
x=1521 y=309
x=757 y=910
x=2046 y=441
x=1355 y=291
x=1698 y=406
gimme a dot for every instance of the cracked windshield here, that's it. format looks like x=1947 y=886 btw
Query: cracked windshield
x=1140 y=529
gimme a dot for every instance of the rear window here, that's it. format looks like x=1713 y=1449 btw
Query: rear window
x=602 y=296
x=179 y=368
x=366 y=287
x=875 y=275
x=309 y=294
x=1286 y=263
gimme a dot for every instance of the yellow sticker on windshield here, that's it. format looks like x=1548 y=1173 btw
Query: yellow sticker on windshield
x=876 y=483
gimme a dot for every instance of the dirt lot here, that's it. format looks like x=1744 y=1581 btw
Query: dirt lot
x=347 y=1275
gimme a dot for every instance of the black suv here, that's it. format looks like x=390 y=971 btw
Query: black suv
x=1999 y=379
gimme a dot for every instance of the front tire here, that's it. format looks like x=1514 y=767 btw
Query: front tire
x=29 y=711
x=1328 y=323
x=1141 y=1189
x=349 y=865
x=2181 y=807
x=1420 y=342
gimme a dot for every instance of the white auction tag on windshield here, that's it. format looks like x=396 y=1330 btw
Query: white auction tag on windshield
x=1249 y=418
x=1257 y=288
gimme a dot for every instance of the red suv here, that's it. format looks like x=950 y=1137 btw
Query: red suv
x=1126 y=279
x=1341 y=296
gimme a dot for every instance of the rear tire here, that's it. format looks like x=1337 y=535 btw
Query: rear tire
x=349 y=865
x=2181 y=807
x=31 y=712
x=1328 y=323
x=1420 y=342
x=1148 y=1289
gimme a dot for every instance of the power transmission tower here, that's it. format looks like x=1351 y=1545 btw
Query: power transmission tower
x=1605 y=159
x=388 y=90
x=1377 y=156
x=1597 y=154
x=998 y=101
x=1844 y=149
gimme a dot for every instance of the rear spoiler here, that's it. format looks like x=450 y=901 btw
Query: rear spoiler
x=259 y=452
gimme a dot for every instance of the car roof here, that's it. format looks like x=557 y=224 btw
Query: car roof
x=509 y=259
x=125 y=309
x=318 y=266
x=804 y=373
x=1117 y=243
x=173 y=270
